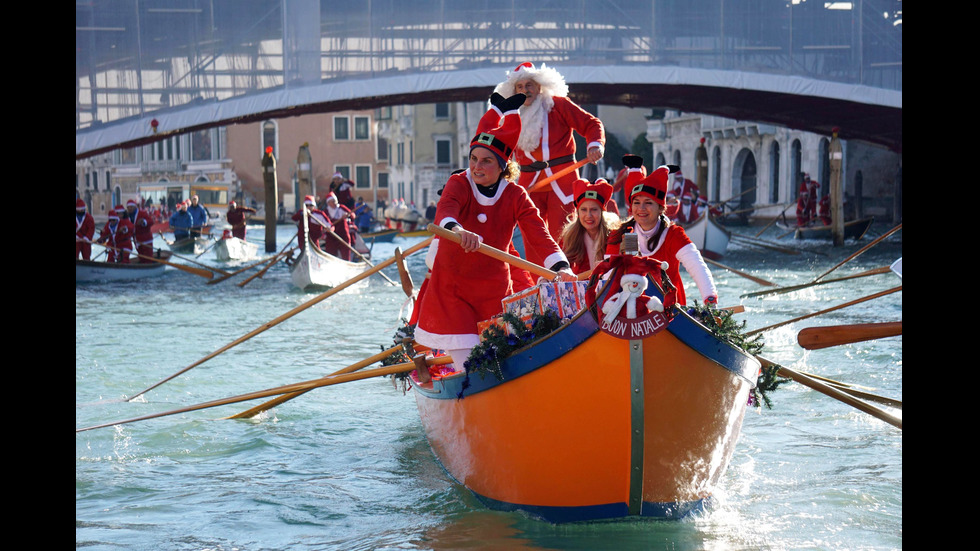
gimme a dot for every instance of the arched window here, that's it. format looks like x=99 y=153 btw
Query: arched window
x=677 y=157
x=660 y=162
x=774 y=173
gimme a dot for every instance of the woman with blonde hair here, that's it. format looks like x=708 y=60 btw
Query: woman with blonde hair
x=584 y=237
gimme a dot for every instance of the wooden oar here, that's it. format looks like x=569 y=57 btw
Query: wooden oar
x=838 y=307
x=359 y=255
x=871 y=272
x=192 y=261
x=862 y=394
x=287 y=315
x=408 y=286
x=207 y=249
x=815 y=338
x=286 y=397
x=773 y=221
x=743 y=274
x=834 y=393
x=858 y=253
x=278 y=256
x=536 y=186
x=496 y=253
x=286 y=389
x=196 y=271
x=270 y=261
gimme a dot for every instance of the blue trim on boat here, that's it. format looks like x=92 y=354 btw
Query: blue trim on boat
x=592 y=513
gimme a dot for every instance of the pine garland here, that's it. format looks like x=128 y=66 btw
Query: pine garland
x=497 y=344
x=721 y=324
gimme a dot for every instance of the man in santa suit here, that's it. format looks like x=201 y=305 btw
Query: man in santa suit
x=688 y=211
x=341 y=219
x=238 y=218
x=84 y=230
x=316 y=221
x=143 y=234
x=806 y=203
x=118 y=235
x=482 y=205
x=546 y=144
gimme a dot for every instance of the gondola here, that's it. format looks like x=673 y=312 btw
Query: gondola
x=380 y=236
x=710 y=237
x=315 y=268
x=597 y=420
x=93 y=270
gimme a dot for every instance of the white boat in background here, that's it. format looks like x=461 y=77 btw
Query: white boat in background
x=233 y=248
x=315 y=268
x=710 y=237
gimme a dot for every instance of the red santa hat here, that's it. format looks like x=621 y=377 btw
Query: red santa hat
x=113 y=215
x=500 y=126
x=309 y=200
x=600 y=192
x=231 y=203
x=133 y=203
x=687 y=196
x=547 y=78
x=653 y=186
x=120 y=209
x=80 y=204
x=330 y=198
x=338 y=175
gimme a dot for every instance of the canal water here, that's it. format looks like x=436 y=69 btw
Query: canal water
x=348 y=467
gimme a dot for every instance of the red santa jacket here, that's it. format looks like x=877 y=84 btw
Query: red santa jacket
x=558 y=141
x=466 y=288
x=85 y=228
x=142 y=226
x=675 y=240
x=118 y=235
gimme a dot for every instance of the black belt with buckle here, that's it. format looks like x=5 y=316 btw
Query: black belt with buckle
x=541 y=165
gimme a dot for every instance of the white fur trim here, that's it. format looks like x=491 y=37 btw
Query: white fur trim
x=483 y=199
x=446 y=342
x=430 y=255
x=555 y=258
x=446 y=220
x=481 y=217
x=546 y=77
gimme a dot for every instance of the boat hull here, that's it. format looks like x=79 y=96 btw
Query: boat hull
x=93 y=270
x=190 y=245
x=234 y=248
x=383 y=236
x=587 y=426
x=315 y=268
x=710 y=237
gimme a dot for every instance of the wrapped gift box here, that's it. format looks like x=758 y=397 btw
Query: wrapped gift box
x=565 y=298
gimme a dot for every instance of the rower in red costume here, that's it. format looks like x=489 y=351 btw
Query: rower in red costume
x=84 y=230
x=316 y=222
x=806 y=203
x=236 y=216
x=118 y=234
x=142 y=226
x=481 y=204
x=546 y=144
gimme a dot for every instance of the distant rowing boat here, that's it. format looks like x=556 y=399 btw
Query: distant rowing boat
x=93 y=270
x=855 y=229
x=233 y=248
x=708 y=236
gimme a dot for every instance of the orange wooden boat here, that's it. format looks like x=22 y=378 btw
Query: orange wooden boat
x=634 y=418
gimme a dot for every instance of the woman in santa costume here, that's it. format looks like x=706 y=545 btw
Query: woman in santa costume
x=84 y=230
x=546 y=144
x=480 y=204
x=658 y=236
x=584 y=238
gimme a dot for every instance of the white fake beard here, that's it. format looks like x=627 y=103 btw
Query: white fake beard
x=533 y=119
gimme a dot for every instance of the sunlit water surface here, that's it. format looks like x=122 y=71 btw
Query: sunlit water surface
x=348 y=467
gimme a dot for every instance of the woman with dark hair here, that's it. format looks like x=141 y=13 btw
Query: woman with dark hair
x=657 y=236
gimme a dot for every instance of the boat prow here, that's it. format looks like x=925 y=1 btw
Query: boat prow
x=710 y=237
x=588 y=425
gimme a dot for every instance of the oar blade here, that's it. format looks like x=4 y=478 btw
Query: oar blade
x=815 y=338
